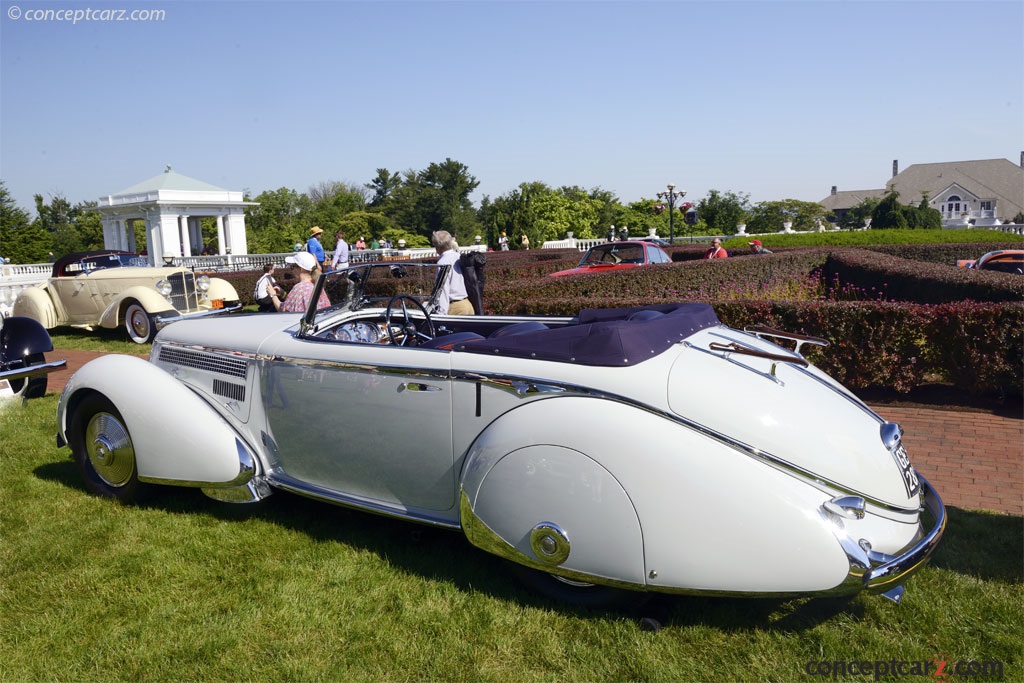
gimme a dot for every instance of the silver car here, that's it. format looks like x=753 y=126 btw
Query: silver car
x=606 y=455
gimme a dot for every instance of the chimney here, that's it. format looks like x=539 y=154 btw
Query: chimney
x=1022 y=159
x=895 y=167
x=834 y=188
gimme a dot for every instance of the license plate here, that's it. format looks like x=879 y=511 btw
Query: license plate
x=910 y=479
x=217 y=303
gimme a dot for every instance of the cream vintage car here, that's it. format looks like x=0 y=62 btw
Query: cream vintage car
x=112 y=288
x=613 y=453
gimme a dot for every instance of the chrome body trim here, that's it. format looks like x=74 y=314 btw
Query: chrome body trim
x=891 y=434
x=896 y=569
x=161 y=320
x=878 y=572
x=320 y=493
x=850 y=507
x=252 y=492
x=246 y=471
x=483 y=537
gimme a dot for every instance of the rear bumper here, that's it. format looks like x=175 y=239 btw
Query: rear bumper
x=893 y=571
x=33 y=370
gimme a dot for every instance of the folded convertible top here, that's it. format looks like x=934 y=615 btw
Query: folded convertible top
x=607 y=337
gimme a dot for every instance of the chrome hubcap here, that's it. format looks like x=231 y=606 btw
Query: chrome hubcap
x=109 y=449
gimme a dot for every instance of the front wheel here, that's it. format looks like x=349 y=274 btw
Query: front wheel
x=103 y=450
x=139 y=324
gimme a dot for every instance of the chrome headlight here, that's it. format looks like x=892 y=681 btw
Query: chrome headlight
x=203 y=282
x=164 y=287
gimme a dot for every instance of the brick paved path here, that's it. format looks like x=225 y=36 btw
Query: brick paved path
x=975 y=459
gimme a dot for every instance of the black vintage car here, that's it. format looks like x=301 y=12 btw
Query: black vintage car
x=23 y=366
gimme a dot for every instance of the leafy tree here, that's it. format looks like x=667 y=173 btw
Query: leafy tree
x=514 y=213
x=332 y=201
x=383 y=186
x=889 y=213
x=722 y=212
x=770 y=216
x=854 y=218
x=366 y=224
x=282 y=218
x=21 y=240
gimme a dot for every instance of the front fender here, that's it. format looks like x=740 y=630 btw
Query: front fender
x=148 y=298
x=221 y=289
x=178 y=437
x=21 y=337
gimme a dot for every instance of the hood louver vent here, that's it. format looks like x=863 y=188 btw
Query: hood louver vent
x=204 y=361
x=229 y=390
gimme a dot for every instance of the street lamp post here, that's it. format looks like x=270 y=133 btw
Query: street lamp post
x=671 y=195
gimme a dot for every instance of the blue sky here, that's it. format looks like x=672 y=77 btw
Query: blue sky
x=775 y=99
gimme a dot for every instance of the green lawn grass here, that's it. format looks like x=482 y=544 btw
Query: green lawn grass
x=188 y=589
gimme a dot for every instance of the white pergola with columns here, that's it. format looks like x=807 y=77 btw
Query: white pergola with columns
x=172 y=206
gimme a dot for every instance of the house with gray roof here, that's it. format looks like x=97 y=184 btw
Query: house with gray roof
x=981 y=193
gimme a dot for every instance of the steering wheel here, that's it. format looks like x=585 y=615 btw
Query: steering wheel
x=408 y=325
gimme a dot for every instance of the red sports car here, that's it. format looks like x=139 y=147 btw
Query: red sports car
x=616 y=256
x=1003 y=261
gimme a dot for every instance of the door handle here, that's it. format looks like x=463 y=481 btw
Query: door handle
x=418 y=386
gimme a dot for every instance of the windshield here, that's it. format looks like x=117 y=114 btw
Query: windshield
x=372 y=285
x=613 y=253
x=89 y=264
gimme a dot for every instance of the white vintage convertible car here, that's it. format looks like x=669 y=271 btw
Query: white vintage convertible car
x=649 y=450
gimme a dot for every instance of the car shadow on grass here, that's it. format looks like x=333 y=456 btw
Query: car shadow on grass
x=979 y=544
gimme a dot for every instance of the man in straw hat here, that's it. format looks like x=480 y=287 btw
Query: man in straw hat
x=314 y=247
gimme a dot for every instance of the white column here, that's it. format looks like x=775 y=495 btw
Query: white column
x=236 y=232
x=110 y=235
x=220 y=236
x=186 y=245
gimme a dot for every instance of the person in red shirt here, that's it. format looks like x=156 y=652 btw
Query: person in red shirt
x=716 y=250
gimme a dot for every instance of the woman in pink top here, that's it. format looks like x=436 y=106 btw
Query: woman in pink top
x=302 y=292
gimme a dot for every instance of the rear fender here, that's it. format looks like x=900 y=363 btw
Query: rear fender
x=149 y=299
x=178 y=437
x=644 y=499
x=517 y=492
x=35 y=303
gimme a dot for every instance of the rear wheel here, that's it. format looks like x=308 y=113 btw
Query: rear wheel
x=580 y=594
x=103 y=450
x=139 y=323
x=30 y=387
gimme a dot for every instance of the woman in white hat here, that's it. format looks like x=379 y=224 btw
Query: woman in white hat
x=302 y=292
